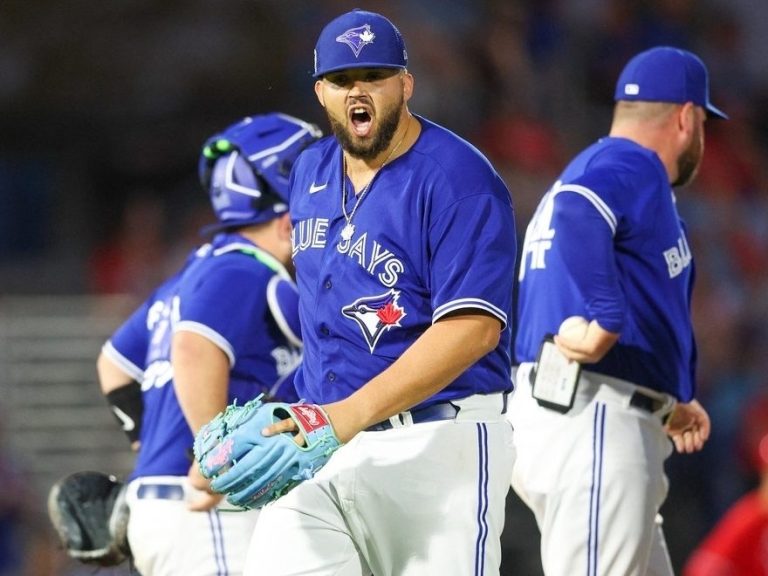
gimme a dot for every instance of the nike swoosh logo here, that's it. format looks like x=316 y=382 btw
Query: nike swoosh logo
x=315 y=188
x=128 y=423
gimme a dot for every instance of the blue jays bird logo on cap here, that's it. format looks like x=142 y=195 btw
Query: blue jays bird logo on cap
x=357 y=38
x=355 y=29
x=376 y=315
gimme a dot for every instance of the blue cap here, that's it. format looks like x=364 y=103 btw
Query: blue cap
x=666 y=74
x=359 y=39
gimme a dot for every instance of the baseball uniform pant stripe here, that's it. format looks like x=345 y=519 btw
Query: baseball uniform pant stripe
x=218 y=543
x=482 y=498
x=598 y=442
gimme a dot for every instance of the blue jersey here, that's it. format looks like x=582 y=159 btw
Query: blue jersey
x=434 y=234
x=231 y=292
x=607 y=243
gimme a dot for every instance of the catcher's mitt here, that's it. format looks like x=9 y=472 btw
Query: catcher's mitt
x=252 y=469
x=90 y=516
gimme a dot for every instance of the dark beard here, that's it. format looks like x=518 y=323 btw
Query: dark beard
x=380 y=142
x=688 y=163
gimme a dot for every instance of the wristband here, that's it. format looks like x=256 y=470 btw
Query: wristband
x=126 y=404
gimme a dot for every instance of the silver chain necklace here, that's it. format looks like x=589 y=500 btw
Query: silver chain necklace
x=349 y=228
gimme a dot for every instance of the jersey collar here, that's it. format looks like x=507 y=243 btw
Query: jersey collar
x=225 y=243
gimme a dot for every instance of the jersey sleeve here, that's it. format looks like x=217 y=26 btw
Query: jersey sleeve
x=225 y=305
x=584 y=227
x=473 y=247
x=127 y=347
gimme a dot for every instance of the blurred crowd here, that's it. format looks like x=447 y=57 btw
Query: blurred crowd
x=104 y=107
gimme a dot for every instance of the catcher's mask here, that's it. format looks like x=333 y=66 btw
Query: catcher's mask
x=245 y=168
x=90 y=516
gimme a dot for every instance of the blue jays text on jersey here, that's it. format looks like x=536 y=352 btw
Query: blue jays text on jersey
x=635 y=278
x=371 y=255
x=434 y=234
x=234 y=294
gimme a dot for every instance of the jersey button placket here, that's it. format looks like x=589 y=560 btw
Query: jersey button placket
x=327 y=285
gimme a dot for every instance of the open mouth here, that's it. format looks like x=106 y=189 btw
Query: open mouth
x=361 y=120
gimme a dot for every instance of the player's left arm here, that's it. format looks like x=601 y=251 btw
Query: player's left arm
x=688 y=426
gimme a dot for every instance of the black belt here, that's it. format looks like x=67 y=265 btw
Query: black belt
x=152 y=491
x=645 y=402
x=434 y=413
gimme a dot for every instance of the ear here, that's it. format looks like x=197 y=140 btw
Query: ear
x=283 y=224
x=319 y=92
x=687 y=118
x=682 y=125
x=407 y=85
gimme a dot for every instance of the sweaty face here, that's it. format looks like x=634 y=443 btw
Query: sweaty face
x=364 y=109
x=689 y=161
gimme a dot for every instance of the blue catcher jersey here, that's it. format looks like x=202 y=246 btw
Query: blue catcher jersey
x=434 y=234
x=607 y=243
x=235 y=295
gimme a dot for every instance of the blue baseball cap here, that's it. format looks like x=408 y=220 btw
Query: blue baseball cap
x=359 y=39
x=667 y=74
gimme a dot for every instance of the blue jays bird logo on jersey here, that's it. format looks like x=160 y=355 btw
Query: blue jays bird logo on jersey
x=375 y=315
x=357 y=38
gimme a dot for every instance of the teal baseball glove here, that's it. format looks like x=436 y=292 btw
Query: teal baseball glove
x=253 y=470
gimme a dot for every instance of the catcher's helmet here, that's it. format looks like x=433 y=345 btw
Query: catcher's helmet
x=245 y=168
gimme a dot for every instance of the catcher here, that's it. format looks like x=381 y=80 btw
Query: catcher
x=224 y=327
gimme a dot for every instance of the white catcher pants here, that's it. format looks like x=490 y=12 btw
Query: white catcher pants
x=417 y=500
x=167 y=539
x=594 y=478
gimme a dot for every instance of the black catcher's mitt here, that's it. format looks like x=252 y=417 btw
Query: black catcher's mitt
x=89 y=514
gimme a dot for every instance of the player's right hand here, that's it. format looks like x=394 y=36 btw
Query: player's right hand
x=589 y=349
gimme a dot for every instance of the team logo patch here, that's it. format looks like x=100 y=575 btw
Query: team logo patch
x=357 y=38
x=375 y=315
x=310 y=417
